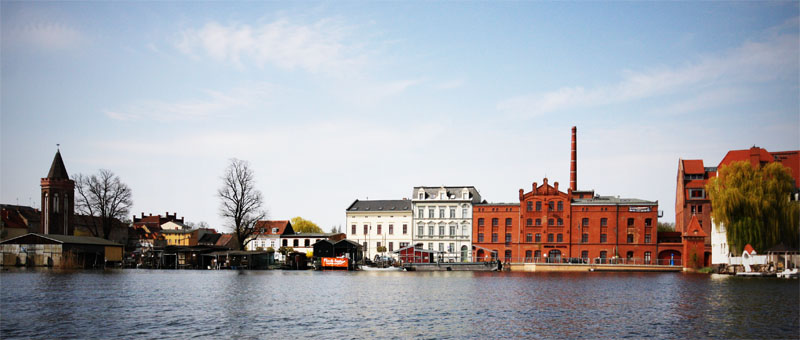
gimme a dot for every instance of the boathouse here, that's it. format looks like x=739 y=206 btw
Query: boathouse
x=61 y=251
x=415 y=254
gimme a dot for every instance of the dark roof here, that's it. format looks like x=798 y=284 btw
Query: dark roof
x=209 y=238
x=310 y=235
x=57 y=169
x=381 y=205
x=69 y=239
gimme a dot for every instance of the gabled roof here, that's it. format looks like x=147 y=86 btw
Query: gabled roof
x=264 y=227
x=57 y=169
x=380 y=205
x=65 y=239
x=693 y=166
x=749 y=249
x=224 y=239
x=694 y=228
x=209 y=238
x=753 y=154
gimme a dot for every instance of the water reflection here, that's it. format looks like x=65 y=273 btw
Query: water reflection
x=441 y=305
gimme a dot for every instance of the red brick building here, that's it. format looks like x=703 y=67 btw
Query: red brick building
x=551 y=225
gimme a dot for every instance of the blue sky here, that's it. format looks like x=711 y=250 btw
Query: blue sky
x=334 y=102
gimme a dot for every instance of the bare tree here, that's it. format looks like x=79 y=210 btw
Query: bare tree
x=104 y=198
x=241 y=201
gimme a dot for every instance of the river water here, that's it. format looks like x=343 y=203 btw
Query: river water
x=147 y=304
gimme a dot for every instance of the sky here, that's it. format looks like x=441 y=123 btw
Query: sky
x=332 y=102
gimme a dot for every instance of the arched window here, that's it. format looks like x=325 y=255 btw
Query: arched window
x=554 y=256
x=55 y=204
x=528 y=255
x=529 y=222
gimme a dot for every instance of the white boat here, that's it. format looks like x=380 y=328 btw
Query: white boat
x=788 y=273
x=378 y=269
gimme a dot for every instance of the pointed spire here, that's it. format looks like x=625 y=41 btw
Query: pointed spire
x=58 y=170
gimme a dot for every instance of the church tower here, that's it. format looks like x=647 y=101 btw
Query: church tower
x=58 y=199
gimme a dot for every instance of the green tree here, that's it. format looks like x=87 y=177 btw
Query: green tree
x=285 y=250
x=666 y=226
x=301 y=225
x=754 y=205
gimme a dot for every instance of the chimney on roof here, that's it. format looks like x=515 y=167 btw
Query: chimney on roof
x=573 y=164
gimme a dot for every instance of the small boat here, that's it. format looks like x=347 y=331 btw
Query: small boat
x=380 y=269
x=788 y=273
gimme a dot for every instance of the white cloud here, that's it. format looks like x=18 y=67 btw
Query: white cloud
x=318 y=47
x=44 y=34
x=753 y=62
x=211 y=104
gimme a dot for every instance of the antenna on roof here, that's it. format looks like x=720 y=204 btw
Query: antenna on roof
x=58 y=146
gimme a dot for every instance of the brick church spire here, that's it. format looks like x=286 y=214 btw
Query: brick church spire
x=58 y=196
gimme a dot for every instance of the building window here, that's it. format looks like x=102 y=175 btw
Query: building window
x=405 y=229
x=693 y=208
x=699 y=209
x=452 y=212
x=480 y=237
x=560 y=206
x=421 y=230
x=537 y=254
x=391 y=246
x=431 y=212
x=528 y=255
x=494 y=237
x=421 y=213
x=529 y=237
x=538 y=205
x=630 y=222
x=529 y=222
x=379 y=229
x=452 y=230
x=441 y=247
x=549 y=237
x=585 y=222
x=647 y=257
x=603 y=238
x=603 y=256
x=430 y=230
x=585 y=238
x=366 y=229
x=604 y=222
x=353 y=229
x=630 y=238
x=421 y=195
x=560 y=238
x=550 y=222
x=494 y=222
x=391 y=229
x=464 y=213
x=480 y=222
x=401 y=245
x=529 y=205
x=539 y=222
x=560 y=222
x=377 y=245
x=646 y=238
x=508 y=237
x=550 y=206
x=648 y=222
x=451 y=247
x=441 y=230
x=296 y=243
x=585 y=255
x=508 y=222
x=697 y=193
x=441 y=212
x=538 y=238
x=430 y=245
x=307 y=243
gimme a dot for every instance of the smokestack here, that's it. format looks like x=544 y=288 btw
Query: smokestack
x=573 y=164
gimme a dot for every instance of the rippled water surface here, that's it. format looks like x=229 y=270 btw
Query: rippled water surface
x=339 y=305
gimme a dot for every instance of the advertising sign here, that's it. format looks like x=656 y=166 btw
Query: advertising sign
x=334 y=262
x=639 y=209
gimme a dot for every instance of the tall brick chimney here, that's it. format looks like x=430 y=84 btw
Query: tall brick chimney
x=573 y=163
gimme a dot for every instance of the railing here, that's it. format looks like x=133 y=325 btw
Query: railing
x=439 y=237
x=588 y=261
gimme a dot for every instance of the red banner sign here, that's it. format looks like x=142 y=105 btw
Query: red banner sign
x=334 y=262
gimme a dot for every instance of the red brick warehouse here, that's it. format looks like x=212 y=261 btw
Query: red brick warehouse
x=550 y=225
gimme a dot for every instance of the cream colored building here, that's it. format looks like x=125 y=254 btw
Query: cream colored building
x=443 y=220
x=375 y=223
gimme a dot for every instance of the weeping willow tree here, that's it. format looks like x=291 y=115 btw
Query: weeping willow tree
x=754 y=205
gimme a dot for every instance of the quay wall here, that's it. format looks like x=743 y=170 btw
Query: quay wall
x=560 y=267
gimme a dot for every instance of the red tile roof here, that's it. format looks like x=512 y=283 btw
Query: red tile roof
x=273 y=227
x=749 y=249
x=693 y=166
x=753 y=155
x=694 y=228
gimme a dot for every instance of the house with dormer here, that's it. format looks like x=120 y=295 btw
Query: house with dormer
x=443 y=220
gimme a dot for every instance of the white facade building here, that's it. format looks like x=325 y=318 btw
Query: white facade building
x=443 y=220
x=720 y=252
x=376 y=223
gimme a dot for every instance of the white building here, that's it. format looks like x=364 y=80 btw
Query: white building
x=720 y=252
x=268 y=234
x=376 y=223
x=443 y=220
